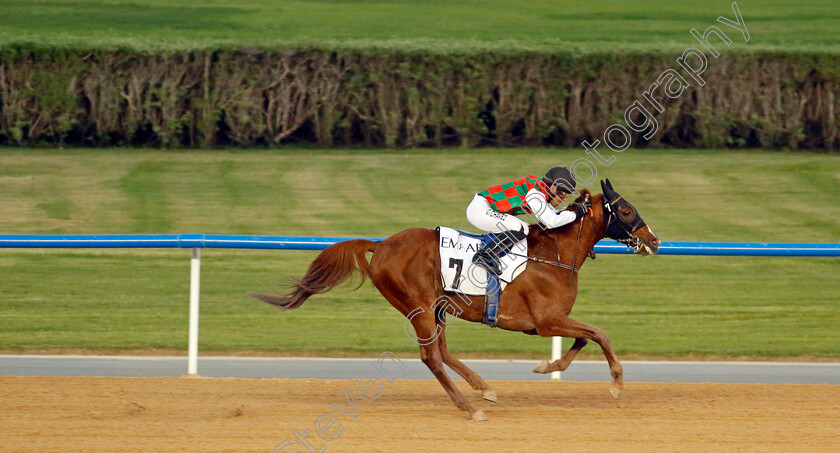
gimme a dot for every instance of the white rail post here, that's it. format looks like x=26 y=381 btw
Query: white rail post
x=195 y=273
x=556 y=347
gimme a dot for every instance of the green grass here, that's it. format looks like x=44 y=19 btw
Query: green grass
x=185 y=24
x=661 y=306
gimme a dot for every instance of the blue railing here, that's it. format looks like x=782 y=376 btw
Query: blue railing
x=320 y=243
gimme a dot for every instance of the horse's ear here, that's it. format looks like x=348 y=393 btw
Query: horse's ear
x=603 y=187
x=609 y=184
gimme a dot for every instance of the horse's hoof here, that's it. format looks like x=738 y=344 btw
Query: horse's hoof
x=542 y=368
x=489 y=395
x=615 y=390
x=478 y=416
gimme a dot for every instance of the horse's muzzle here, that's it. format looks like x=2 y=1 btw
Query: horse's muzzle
x=648 y=243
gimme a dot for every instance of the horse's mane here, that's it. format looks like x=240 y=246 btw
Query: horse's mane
x=583 y=194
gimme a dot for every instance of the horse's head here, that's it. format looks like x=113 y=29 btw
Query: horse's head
x=623 y=223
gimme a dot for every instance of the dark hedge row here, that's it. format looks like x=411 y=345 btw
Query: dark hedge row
x=344 y=97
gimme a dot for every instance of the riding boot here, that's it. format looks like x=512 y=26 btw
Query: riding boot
x=496 y=245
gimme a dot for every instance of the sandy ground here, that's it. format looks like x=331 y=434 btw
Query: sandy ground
x=584 y=355
x=39 y=414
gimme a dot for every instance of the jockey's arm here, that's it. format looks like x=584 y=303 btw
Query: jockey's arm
x=545 y=213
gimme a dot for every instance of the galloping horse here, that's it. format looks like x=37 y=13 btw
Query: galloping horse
x=405 y=268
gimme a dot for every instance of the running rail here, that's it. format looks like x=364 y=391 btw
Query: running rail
x=196 y=242
x=221 y=241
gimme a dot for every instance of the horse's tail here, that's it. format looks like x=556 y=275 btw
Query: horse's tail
x=334 y=265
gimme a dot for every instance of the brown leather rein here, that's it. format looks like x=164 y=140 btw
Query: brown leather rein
x=557 y=263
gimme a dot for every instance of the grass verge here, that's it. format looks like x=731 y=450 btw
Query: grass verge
x=665 y=306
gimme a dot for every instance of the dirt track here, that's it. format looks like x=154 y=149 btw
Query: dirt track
x=243 y=415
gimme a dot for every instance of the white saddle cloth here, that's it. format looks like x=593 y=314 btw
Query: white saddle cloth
x=459 y=274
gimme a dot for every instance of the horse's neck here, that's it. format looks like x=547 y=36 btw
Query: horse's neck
x=595 y=234
x=576 y=241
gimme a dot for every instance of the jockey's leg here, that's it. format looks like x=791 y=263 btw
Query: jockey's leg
x=488 y=254
x=485 y=218
x=509 y=230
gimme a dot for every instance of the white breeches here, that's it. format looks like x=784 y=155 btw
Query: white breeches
x=483 y=217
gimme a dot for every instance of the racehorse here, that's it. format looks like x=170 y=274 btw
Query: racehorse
x=405 y=268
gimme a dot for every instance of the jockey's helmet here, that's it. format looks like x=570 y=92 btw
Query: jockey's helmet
x=561 y=178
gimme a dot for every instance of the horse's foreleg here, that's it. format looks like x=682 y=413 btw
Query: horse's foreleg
x=469 y=375
x=570 y=328
x=425 y=328
x=562 y=363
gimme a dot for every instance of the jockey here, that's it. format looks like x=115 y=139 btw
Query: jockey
x=494 y=210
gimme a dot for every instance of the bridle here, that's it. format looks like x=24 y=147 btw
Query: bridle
x=618 y=230
x=614 y=228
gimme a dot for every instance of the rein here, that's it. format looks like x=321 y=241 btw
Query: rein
x=553 y=263
x=577 y=243
x=557 y=263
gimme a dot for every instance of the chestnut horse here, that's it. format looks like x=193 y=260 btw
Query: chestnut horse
x=405 y=268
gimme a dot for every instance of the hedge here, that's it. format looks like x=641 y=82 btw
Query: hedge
x=390 y=97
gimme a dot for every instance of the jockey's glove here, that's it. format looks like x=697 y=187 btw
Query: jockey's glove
x=580 y=208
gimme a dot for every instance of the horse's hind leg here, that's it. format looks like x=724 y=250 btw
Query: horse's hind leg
x=425 y=327
x=570 y=328
x=469 y=375
x=562 y=363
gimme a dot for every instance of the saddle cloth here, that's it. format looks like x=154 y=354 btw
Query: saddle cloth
x=459 y=274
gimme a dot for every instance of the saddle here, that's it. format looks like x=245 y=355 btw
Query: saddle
x=459 y=275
